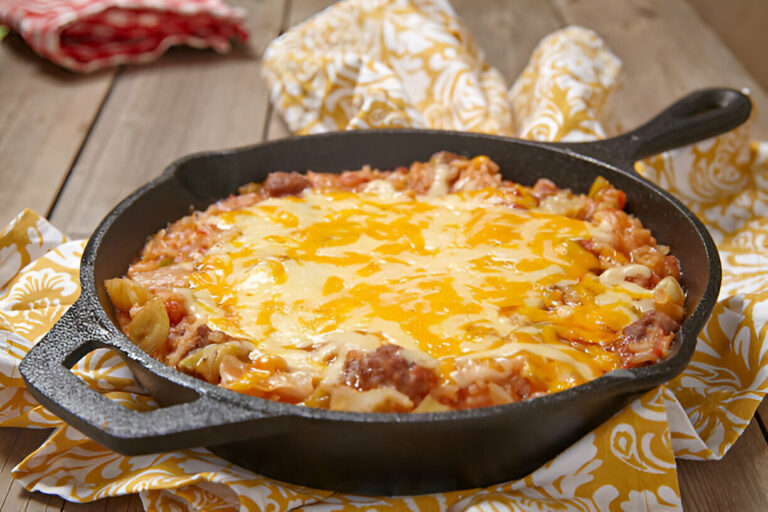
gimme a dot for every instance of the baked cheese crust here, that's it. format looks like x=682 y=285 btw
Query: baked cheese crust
x=434 y=287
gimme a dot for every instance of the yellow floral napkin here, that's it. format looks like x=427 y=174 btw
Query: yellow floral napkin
x=366 y=64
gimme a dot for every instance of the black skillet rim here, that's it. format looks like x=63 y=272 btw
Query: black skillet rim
x=618 y=381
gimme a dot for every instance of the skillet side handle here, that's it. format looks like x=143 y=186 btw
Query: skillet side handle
x=700 y=115
x=46 y=371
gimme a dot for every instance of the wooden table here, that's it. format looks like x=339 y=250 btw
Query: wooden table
x=72 y=146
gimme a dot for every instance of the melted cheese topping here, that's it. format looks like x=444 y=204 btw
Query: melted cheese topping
x=462 y=276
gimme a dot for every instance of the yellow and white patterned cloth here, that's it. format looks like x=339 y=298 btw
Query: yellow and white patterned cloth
x=377 y=64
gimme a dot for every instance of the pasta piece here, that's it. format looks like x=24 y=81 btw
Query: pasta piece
x=125 y=293
x=206 y=362
x=668 y=298
x=429 y=404
x=149 y=327
x=385 y=399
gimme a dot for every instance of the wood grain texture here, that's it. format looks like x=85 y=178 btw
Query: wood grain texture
x=299 y=10
x=39 y=502
x=128 y=503
x=762 y=412
x=508 y=33
x=741 y=25
x=738 y=482
x=45 y=113
x=667 y=51
x=15 y=445
x=276 y=127
x=186 y=102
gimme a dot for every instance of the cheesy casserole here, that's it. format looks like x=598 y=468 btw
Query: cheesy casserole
x=429 y=288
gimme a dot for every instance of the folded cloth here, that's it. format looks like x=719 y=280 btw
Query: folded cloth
x=370 y=63
x=85 y=35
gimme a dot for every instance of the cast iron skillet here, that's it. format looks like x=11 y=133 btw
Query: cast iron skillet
x=359 y=452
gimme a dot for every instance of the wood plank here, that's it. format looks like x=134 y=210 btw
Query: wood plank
x=127 y=503
x=762 y=413
x=506 y=35
x=300 y=10
x=667 y=51
x=45 y=113
x=740 y=24
x=8 y=438
x=276 y=127
x=186 y=102
x=737 y=482
x=93 y=506
x=39 y=502
x=12 y=495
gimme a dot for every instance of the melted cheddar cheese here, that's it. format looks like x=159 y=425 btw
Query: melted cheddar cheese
x=461 y=277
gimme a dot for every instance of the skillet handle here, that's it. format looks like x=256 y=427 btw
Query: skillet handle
x=46 y=372
x=700 y=115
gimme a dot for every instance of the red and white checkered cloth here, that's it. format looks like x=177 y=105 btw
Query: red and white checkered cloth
x=85 y=35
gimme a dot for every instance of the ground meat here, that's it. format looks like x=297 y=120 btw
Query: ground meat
x=544 y=188
x=660 y=263
x=248 y=196
x=466 y=174
x=421 y=175
x=183 y=241
x=485 y=394
x=493 y=383
x=399 y=178
x=622 y=239
x=183 y=340
x=629 y=233
x=206 y=335
x=475 y=174
x=463 y=174
x=280 y=184
x=610 y=197
x=354 y=181
x=386 y=367
x=645 y=341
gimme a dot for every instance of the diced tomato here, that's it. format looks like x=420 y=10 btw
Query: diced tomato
x=176 y=311
x=622 y=197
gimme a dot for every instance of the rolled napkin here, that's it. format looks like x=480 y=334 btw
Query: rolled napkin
x=85 y=35
x=366 y=64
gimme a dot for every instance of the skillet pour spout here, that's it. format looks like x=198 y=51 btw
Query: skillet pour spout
x=382 y=453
